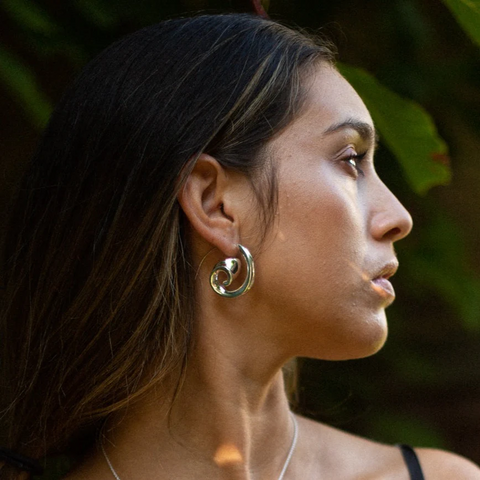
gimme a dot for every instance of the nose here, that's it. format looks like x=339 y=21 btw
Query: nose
x=390 y=220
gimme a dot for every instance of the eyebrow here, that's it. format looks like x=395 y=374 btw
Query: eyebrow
x=365 y=130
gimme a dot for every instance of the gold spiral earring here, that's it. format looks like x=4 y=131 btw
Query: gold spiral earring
x=230 y=267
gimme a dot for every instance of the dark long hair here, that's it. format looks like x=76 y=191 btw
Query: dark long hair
x=99 y=288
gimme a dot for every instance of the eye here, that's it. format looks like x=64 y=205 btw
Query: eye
x=355 y=160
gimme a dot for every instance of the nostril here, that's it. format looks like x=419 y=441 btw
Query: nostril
x=390 y=220
x=394 y=232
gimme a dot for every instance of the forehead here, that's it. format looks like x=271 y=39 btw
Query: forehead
x=330 y=99
x=332 y=112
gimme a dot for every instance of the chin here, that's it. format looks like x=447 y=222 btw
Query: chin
x=366 y=339
x=374 y=338
x=372 y=348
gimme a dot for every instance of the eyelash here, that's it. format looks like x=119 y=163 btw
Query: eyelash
x=357 y=158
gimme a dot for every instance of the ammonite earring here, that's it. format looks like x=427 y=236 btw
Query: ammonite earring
x=230 y=267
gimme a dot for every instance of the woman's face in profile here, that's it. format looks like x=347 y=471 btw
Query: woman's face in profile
x=322 y=274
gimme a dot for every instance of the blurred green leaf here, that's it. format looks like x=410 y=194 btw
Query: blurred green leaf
x=102 y=14
x=467 y=13
x=30 y=16
x=441 y=264
x=419 y=369
x=43 y=34
x=459 y=289
x=406 y=129
x=21 y=81
x=396 y=428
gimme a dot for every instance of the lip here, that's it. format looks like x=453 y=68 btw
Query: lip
x=383 y=287
x=387 y=270
x=380 y=282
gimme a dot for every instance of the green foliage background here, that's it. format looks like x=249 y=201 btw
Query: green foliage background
x=416 y=64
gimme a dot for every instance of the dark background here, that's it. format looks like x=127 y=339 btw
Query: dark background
x=423 y=388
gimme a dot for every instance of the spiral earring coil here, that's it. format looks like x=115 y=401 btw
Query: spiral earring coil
x=230 y=267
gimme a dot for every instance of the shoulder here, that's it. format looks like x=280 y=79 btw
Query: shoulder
x=441 y=465
x=353 y=454
x=339 y=454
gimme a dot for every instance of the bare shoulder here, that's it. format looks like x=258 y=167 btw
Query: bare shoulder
x=340 y=454
x=344 y=455
x=446 y=465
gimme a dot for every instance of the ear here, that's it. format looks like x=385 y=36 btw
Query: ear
x=206 y=199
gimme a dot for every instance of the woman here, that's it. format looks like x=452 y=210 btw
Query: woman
x=189 y=154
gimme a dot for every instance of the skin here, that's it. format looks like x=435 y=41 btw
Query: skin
x=314 y=295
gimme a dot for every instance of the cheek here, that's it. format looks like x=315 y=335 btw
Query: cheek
x=311 y=283
x=324 y=222
x=319 y=242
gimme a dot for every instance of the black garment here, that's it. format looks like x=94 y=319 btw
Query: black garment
x=20 y=461
x=412 y=462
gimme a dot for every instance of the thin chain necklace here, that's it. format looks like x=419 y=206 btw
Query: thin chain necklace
x=282 y=473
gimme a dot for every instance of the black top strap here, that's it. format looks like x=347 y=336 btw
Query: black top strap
x=20 y=461
x=412 y=462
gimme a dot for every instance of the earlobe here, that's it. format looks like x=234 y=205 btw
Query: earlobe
x=204 y=200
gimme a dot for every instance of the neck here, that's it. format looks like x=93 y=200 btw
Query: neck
x=230 y=419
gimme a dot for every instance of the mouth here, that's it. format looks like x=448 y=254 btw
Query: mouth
x=381 y=284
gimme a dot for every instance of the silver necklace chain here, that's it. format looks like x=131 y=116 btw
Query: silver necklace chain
x=282 y=473
x=292 y=447
x=110 y=466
